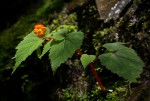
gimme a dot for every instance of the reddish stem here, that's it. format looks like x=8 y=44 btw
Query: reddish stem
x=97 y=78
x=94 y=72
x=79 y=52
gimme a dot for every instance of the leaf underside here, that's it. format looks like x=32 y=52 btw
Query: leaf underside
x=122 y=61
x=66 y=46
x=25 y=48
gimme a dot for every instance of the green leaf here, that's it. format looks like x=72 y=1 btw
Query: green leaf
x=64 y=49
x=61 y=34
x=86 y=59
x=47 y=32
x=38 y=52
x=114 y=46
x=46 y=48
x=122 y=61
x=25 y=48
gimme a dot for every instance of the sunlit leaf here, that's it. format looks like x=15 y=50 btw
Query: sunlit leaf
x=122 y=61
x=86 y=59
x=25 y=48
x=38 y=52
x=47 y=32
x=65 y=48
x=61 y=34
x=46 y=48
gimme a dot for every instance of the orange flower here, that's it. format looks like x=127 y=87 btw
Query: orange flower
x=39 y=30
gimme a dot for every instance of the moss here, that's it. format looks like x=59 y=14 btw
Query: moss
x=64 y=19
x=117 y=92
x=72 y=94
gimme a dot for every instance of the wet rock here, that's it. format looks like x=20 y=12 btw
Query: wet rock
x=104 y=7
x=141 y=92
x=111 y=8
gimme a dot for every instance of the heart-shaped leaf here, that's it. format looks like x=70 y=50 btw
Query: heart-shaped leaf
x=86 y=59
x=122 y=61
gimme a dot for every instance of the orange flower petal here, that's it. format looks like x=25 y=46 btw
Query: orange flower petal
x=39 y=25
x=35 y=30
x=39 y=30
x=43 y=29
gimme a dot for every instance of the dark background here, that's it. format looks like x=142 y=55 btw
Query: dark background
x=11 y=10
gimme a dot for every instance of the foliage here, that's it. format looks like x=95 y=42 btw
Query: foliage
x=86 y=59
x=62 y=44
x=99 y=40
x=64 y=41
x=65 y=47
x=122 y=60
x=25 y=48
x=119 y=59
x=24 y=24
x=46 y=48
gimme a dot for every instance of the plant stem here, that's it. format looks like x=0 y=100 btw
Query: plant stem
x=96 y=76
x=94 y=72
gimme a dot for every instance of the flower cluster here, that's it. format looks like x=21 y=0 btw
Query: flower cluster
x=39 y=30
